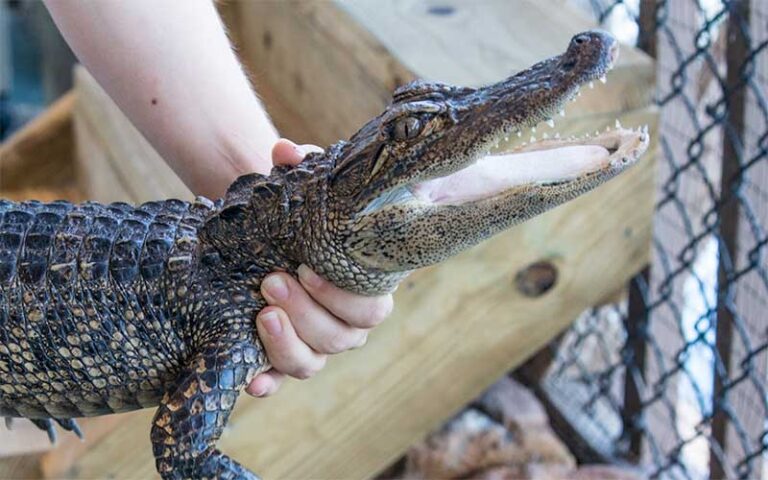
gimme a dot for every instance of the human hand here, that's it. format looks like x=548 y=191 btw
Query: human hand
x=309 y=318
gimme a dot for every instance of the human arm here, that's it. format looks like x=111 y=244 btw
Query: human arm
x=171 y=69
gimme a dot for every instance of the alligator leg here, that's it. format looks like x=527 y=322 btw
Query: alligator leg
x=192 y=415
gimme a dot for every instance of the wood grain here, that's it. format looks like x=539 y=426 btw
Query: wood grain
x=314 y=57
x=42 y=153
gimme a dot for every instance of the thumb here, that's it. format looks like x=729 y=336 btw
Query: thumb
x=285 y=152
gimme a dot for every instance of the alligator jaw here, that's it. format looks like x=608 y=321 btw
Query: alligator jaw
x=426 y=222
x=458 y=167
x=546 y=162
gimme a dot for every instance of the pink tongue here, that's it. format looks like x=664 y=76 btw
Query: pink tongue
x=494 y=174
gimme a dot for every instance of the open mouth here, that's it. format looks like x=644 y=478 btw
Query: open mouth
x=546 y=162
x=530 y=162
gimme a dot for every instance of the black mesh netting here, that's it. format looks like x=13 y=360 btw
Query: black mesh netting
x=674 y=377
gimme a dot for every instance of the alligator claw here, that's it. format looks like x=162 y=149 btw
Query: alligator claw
x=70 y=425
x=46 y=425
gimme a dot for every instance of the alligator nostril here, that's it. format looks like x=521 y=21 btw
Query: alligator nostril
x=536 y=279
x=441 y=10
x=580 y=39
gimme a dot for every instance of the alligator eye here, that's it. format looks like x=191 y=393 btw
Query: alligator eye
x=407 y=128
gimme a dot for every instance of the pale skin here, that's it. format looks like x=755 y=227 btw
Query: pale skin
x=171 y=69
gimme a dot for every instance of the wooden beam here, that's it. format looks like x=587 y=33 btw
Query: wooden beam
x=41 y=153
x=726 y=454
x=636 y=324
x=26 y=467
x=636 y=345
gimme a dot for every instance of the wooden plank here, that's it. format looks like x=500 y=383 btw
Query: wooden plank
x=636 y=326
x=24 y=438
x=476 y=43
x=721 y=461
x=302 y=48
x=41 y=153
x=636 y=323
x=97 y=178
x=20 y=468
x=738 y=425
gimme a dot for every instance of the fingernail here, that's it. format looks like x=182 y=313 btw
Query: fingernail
x=299 y=150
x=272 y=324
x=309 y=277
x=259 y=391
x=274 y=288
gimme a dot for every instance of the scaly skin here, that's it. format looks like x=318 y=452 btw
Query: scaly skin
x=111 y=308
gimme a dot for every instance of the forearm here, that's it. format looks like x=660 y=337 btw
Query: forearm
x=170 y=68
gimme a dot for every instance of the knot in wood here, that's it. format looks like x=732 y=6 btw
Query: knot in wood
x=536 y=279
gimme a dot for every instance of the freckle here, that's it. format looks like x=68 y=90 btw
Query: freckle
x=154 y=101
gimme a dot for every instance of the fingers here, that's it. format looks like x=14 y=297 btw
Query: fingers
x=356 y=310
x=285 y=152
x=308 y=319
x=287 y=353
x=265 y=384
x=317 y=327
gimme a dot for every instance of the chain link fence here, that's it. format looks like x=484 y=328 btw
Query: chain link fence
x=674 y=377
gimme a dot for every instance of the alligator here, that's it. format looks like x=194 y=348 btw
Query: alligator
x=111 y=308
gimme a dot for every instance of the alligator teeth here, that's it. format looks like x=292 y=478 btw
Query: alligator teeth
x=607 y=128
x=533 y=139
x=557 y=135
x=597 y=133
x=551 y=123
x=591 y=84
x=506 y=138
x=603 y=79
x=519 y=133
x=533 y=129
x=618 y=123
x=562 y=112
x=544 y=135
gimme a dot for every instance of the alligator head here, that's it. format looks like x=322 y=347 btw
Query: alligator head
x=417 y=184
